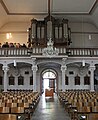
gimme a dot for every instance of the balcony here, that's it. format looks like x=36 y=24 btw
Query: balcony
x=25 y=52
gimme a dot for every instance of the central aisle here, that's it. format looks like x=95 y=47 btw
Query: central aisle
x=50 y=109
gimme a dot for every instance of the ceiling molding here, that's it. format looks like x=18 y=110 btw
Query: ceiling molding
x=40 y=13
x=75 y=32
x=92 y=9
x=4 y=6
x=24 y=32
x=15 y=32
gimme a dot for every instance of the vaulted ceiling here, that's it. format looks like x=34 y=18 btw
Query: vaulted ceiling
x=25 y=10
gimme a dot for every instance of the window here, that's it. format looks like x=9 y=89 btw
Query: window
x=31 y=80
x=11 y=80
x=71 y=72
x=1 y=80
x=66 y=80
x=77 y=80
x=26 y=72
x=86 y=80
x=20 y=80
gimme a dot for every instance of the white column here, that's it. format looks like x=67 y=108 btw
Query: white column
x=92 y=68
x=34 y=69
x=63 y=69
x=5 y=68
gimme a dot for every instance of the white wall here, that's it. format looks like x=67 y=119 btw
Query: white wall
x=71 y=77
x=21 y=71
x=80 y=39
x=16 y=74
x=19 y=33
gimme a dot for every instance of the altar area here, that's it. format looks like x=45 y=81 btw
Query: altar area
x=49 y=92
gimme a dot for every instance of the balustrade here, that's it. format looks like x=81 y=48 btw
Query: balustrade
x=83 y=52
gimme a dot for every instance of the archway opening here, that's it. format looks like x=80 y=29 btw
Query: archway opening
x=49 y=80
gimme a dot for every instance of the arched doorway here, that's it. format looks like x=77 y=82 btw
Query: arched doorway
x=49 y=80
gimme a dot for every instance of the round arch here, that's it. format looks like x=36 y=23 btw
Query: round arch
x=49 y=79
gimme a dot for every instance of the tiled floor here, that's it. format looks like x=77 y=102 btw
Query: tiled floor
x=50 y=109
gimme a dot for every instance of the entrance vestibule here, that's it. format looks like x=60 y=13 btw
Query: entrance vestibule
x=49 y=80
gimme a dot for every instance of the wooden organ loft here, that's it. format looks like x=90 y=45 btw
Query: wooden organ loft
x=56 y=29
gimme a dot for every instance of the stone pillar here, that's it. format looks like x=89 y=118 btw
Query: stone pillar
x=5 y=69
x=92 y=68
x=63 y=69
x=34 y=69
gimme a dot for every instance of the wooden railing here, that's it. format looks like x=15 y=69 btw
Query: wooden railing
x=72 y=52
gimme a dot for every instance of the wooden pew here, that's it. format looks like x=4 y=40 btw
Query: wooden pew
x=8 y=117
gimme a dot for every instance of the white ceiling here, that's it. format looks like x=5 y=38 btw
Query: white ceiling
x=25 y=10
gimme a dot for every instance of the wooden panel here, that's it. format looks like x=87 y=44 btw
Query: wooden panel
x=93 y=116
x=8 y=117
x=17 y=110
x=4 y=110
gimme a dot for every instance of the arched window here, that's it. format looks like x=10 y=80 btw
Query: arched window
x=1 y=80
x=86 y=80
x=66 y=80
x=11 y=80
x=31 y=80
x=20 y=80
x=77 y=80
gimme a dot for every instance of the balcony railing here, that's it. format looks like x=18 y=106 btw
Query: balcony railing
x=73 y=52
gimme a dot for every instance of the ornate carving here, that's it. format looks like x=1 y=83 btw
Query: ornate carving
x=34 y=68
x=5 y=68
x=64 y=61
x=63 y=68
x=16 y=71
x=50 y=50
x=82 y=70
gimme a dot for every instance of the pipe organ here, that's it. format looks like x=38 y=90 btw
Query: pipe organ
x=56 y=29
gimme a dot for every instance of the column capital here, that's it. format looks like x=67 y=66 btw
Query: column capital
x=34 y=68
x=5 y=68
x=92 y=68
x=63 y=68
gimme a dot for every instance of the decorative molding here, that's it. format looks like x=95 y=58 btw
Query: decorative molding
x=16 y=71
x=82 y=71
x=34 y=68
x=5 y=68
x=92 y=68
x=50 y=51
x=63 y=68
x=75 y=32
x=92 y=9
x=4 y=6
x=15 y=32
